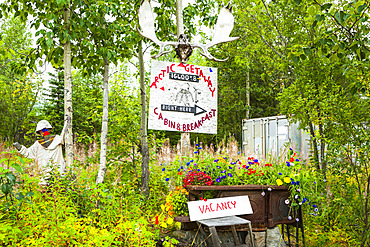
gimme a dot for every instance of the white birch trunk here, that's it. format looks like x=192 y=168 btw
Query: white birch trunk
x=104 y=128
x=68 y=93
x=143 y=128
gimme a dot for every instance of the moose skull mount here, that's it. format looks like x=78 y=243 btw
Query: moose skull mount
x=183 y=47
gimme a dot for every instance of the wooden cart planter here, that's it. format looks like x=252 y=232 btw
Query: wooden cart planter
x=269 y=209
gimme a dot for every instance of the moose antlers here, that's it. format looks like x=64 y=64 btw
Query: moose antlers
x=224 y=26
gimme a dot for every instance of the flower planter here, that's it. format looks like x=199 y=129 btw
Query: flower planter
x=269 y=209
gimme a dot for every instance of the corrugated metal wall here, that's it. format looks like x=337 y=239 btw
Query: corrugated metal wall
x=262 y=136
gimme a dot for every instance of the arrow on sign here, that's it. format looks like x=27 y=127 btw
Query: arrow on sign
x=187 y=109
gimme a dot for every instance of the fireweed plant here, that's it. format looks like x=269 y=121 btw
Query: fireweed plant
x=304 y=183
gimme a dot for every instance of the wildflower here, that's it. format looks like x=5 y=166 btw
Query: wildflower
x=291 y=159
x=218 y=180
x=216 y=160
x=163 y=169
x=297 y=182
x=269 y=189
x=188 y=163
x=292 y=183
x=197 y=145
x=289 y=217
x=182 y=167
x=296 y=197
x=232 y=163
x=167 y=179
x=191 y=160
x=196 y=152
x=263 y=193
x=280 y=173
x=297 y=160
x=156 y=220
x=229 y=174
x=287 y=180
x=223 y=171
x=279 y=182
x=304 y=200
x=178 y=169
x=255 y=161
x=313 y=205
x=297 y=219
x=230 y=167
x=287 y=201
x=195 y=164
x=299 y=190
x=316 y=210
x=287 y=164
x=200 y=148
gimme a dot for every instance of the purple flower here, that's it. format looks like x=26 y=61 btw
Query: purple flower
x=297 y=182
x=313 y=205
x=191 y=160
x=256 y=161
x=288 y=163
x=218 y=180
x=200 y=148
x=297 y=219
x=197 y=145
x=233 y=163
x=196 y=152
x=223 y=171
x=195 y=164
x=297 y=160
x=316 y=210
x=216 y=160
x=280 y=173
x=167 y=179
x=178 y=169
x=219 y=167
x=198 y=170
x=289 y=217
x=182 y=167
x=229 y=174
x=163 y=169
x=231 y=167
x=188 y=163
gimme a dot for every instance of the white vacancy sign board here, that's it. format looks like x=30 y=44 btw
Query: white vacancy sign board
x=183 y=98
x=220 y=207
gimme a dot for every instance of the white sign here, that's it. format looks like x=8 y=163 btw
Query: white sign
x=220 y=207
x=183 y=98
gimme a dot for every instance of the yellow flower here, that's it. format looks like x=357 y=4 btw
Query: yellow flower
x=279 y=182
x=287 y=180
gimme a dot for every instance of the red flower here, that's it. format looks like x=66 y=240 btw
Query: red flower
x=156 y=220
x=291 y=159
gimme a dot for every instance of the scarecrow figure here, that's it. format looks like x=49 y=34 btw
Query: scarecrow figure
x=47 y=152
